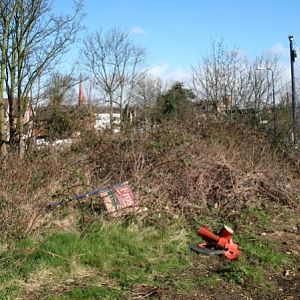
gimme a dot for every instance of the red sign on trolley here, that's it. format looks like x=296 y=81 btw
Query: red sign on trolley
x=120 y=197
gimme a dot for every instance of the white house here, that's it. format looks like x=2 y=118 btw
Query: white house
x=103 y=121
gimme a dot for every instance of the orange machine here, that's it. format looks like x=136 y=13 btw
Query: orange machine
x=217 y=244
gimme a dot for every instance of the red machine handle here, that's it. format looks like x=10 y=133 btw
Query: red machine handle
x=207 y=235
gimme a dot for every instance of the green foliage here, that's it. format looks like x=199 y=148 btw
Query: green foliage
x=175 y=103
x=58 y=122
x=156 y=253
x=9 y=292
x=260 y=252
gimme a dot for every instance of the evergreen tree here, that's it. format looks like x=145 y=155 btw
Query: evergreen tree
x=175 y=103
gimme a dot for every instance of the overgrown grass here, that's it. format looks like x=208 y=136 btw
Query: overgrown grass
x=110 y=260
x=124 y=255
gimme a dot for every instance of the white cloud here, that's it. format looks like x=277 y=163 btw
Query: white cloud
x=180 y=74
x=158 y=70
x=137 y=30
x=169 y=74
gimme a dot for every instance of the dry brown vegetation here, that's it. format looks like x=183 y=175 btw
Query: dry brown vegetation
x=177 y=169
x=190 y=167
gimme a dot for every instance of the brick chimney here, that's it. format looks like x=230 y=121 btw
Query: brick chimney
x=81 y=94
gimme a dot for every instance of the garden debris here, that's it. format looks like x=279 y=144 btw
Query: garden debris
x=142 y=291
x=113 y=199
x=232 y=170
x=217 y=244
x=286 y=273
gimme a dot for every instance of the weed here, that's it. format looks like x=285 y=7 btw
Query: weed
x=260 y=251
x=89 y=293
x=240 y=272
x=256 y=216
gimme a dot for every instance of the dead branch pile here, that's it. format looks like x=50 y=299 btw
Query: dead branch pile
x=185 y=169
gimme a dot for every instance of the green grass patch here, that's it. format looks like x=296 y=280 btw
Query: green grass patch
x=124 y=254
x=255 y=217
x=262 y=252
x=9 y=291
x=89 y=293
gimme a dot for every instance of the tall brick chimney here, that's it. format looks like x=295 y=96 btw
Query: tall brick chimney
x=81 y=94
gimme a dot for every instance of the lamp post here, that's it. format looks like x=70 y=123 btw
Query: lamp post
x=273 y=98
x=293 y=56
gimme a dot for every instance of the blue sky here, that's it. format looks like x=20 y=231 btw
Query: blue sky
x=177 y=33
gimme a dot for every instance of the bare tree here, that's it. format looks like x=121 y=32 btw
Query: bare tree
x=227 y=72
x=114 y=61
x=36 y=40
x=218 y=73
x=262 y=68
x=145 y=95
x=7 y=12
x=59 y=88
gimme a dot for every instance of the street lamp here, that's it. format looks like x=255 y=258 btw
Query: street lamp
x=293 y=55
x=273 y=97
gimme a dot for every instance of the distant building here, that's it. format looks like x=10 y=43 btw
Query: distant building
x=14 y=113
x=101 y=114
x=103 y=120
x=214 y=106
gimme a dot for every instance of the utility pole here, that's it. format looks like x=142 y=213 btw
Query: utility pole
x=274 y=107
x=293 y=55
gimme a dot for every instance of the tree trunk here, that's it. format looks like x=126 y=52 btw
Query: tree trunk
x=22 y=104
x=3 y=125
x=111 y=111
x=11 y=101
x=3 y=150
x=20 y=127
